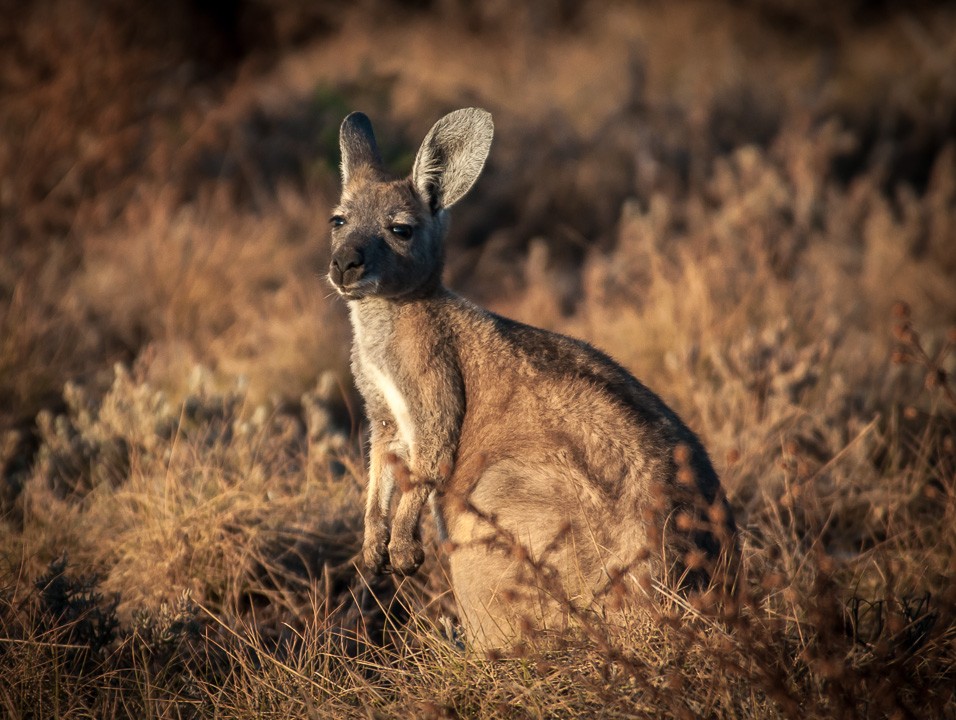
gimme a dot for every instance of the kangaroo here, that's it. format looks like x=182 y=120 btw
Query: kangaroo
x=532 y=448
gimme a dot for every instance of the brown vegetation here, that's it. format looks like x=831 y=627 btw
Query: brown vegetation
x=751 y=206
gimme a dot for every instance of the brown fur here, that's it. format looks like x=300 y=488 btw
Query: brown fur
x=553 y=468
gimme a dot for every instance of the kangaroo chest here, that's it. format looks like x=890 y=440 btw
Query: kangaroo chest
x=384 y=386
x=378 y=377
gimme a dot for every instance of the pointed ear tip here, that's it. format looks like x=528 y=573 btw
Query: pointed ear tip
x=356 y=119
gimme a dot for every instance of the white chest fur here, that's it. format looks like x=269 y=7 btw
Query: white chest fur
x=395 y=402
x=382 y=381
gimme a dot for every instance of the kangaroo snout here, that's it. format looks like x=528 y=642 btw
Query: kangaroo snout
x=347 y=266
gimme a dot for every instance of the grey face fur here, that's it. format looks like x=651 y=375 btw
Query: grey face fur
x=517 y=435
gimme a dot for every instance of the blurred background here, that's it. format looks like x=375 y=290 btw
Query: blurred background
x=166 y=170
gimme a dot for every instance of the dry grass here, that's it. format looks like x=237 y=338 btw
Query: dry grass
x=759 y=224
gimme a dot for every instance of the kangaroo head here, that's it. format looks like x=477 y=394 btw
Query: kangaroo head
x=387 y=235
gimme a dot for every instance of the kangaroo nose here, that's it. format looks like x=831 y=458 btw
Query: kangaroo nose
x=348 y=258
x=348 y=264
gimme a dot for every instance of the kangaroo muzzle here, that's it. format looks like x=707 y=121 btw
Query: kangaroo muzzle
x=347 y=266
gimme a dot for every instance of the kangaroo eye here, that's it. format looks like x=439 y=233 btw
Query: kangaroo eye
x=402 y=231
x=337 y=221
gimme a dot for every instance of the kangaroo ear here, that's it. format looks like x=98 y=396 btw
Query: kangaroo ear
x=451 y=156
x=357 y=143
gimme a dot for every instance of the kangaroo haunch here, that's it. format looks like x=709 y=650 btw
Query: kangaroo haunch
x=553 y=472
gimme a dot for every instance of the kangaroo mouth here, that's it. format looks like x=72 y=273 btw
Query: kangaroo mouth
x=357 y=290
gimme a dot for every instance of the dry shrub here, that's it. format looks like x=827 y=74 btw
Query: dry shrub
x=206 y=284
x=255 y=519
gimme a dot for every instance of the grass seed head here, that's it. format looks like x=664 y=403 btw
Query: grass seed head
x=682 y=454
x=685 y=476
x=901 y=310
x=696 y=559
x=717 y=513
x=685 y=522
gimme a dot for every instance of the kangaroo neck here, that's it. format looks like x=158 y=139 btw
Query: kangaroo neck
x=376 y=320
